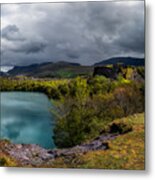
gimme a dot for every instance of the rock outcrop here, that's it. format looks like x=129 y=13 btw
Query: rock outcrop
x=34 y=155
x=109 y=72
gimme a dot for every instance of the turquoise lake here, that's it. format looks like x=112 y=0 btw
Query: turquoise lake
x=26 y=118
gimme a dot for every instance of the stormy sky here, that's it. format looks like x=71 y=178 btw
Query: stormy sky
x=85 y=33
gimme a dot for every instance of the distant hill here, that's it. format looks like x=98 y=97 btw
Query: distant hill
x=63 y=69
x=3 y=74
x=122 y=60
x=50 y=69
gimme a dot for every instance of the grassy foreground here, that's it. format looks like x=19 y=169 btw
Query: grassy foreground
x=125 y=152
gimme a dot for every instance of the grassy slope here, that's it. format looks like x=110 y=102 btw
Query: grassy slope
x=59 y=70
x=125 y=152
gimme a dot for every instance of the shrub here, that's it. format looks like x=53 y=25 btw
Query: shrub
x=141 y=71
x=79 y=89
x=99 y=85
x=64 y=89
x=7 y=161
x=129 y=99
x=3 y=161
x=76 y=126
x=54 y=93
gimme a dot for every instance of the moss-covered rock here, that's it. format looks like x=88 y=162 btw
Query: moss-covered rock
x=120 y=127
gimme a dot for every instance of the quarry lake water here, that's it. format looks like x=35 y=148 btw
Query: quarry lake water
x=26 y=118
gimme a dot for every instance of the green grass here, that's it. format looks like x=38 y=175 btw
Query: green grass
x=5 y=159
x=125 y=152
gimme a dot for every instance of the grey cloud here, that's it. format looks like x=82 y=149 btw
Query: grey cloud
x=73 y=56
x=133 y=39
x=11 y=33
x=81 y=32
x=30 y=47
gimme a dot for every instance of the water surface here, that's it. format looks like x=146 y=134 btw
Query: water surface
x=26 y=118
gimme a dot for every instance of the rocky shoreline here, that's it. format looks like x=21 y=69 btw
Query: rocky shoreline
x=34 y=155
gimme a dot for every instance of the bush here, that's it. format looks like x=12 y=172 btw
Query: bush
x=76 y=126
x=7 y=161
x=129 y=99
x=64 y=89
x=99 y=85
x=141 y=71
x=3 y=161
x=79 y=89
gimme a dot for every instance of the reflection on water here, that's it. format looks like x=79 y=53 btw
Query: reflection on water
x=25 y=118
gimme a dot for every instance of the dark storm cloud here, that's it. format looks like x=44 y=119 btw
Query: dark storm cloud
x=133 y=39
x=24 y=45
x=78 y=32
x=30 y=47
x=73 y=55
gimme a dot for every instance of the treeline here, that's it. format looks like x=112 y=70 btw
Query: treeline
x=49 y=87
x=84 y=105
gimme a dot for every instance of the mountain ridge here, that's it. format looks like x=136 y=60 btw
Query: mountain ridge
x=70 y=69
x=133 y=61
x=50 y=69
